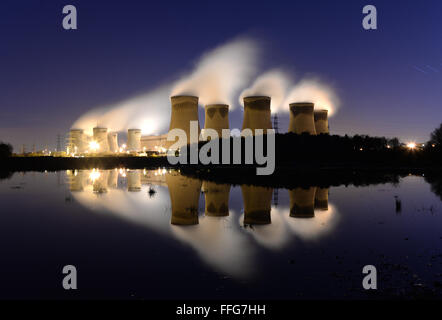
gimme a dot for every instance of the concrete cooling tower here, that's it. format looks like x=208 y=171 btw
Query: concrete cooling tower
x=257 y=204
x=216 y=199
x=302 y=202
x=301 y=118
x=112 y=138
x=184 y=198
x=134 y=180
x=76 y=180
x=99 y=181
x=321 y=199
x=321 y=122
x=257 y=114
x=100 y=137
x=216 y=117
x=134 y=140
x=184 y=110
x=112 y=180
x=77 y=141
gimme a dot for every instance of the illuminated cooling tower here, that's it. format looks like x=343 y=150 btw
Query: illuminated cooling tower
x=217 y=117
x=302 y=202
x=77 y=141
x=257 y=113
x=257 y=204
x=134 y=180
x=134 y=140
x=184 y=110
x=301 y=118
x=184 y=197
x=100 y=137
x=76 y=180
x=113 y=141
x=112 y=180
x=321 y=199
x=99 y=180
x=216 y=199
x=321 y=122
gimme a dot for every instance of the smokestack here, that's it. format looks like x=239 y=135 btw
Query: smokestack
x=321 y=121
x=257 y=113
x=302 y=202
x=257 y=204
x=216 y=117
x=134 y=181
x=184 y=197
x=100 y=136
x=76 y=141
x=321 y=199
x=134 y=140
x=113 y=141
x=301 y=118
x=216 y=199
x=184 y=110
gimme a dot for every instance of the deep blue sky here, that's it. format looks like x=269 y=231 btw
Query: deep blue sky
x=389 y=80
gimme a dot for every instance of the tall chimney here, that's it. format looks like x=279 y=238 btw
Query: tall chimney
x=257 y=114
x=184 y=110
x=301 y=118
x=302 y=202
x=321 y=121
x=257 y=204
x=216 y=199
x=100 y=136
x=184 y=197
x=134 y=140
x=216 y=117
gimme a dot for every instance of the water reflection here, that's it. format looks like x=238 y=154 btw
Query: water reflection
x=225 y=227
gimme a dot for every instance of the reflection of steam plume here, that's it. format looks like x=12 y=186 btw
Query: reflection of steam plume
x=216 y=198
x=184 y=196
x=312 y=90
x=220 y=73
x=273 y=84
x=257 y=204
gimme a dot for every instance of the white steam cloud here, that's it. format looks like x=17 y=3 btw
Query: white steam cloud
x=273 y=83
x=221 y=73
x=312 y=90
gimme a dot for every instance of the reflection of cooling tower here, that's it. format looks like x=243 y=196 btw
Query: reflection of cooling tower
x=257 y=113
x=76 y=141
x=302 y=202
x=113 y=141
x=134 y=140
x=184 y=196
x=216 y=198
x=76 y=180
x=321 y=122
x=100 y=181
x=134 y=180
x=217 y=117
x=301 y=118
x=100 y=136
x=112 y=180
x=257 y=204
x=184 y=110
x=321 y=199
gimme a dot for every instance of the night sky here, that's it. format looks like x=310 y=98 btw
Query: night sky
x=388 y=80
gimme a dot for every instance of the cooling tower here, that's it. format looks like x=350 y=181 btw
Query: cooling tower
x=76 y=180
x=99 y=181
x=134 y=180
x=112 y=180
x=301 y=118
x=216 y=199
x=76 y=141
x=113 y=141
x=184 y=197
x=321 y=199
x=184 y=110
x=302 y=202
x=134 y=140
x=257 y=204
x=100 y=137
x=321 y=121
x=216 y=117
x=257 y=114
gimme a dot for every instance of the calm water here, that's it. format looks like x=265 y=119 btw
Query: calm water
x=157 y=234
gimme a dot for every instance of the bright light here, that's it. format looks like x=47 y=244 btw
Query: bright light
x=94 y=145
x=411 y=145
x=94 y=175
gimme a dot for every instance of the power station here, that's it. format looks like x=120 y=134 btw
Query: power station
x=216 y=118
x=257 y=114
x=301 y=118
x=321 y=121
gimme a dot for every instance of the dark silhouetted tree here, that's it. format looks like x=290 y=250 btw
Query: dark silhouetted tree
x=5 y=150
x=436 y=136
